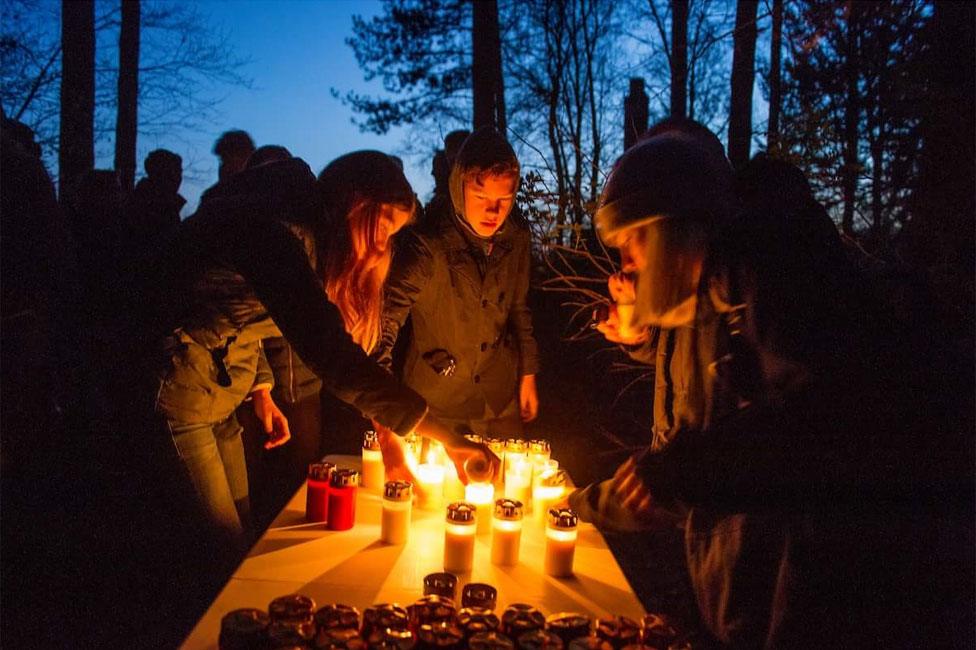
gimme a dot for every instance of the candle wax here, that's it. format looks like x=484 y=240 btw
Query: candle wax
x=395 y=524
x=342 y=507
x=482 y=496
x=458 y=547
x=317 y=501
x=374 y=473
x=505 y=540
x=560 y=549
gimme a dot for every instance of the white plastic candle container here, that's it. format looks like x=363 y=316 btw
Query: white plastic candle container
x=430 y=476
x=459 y=535
x=395 y=524
x=374 y=473
x=560 y=542
x=506 y=535
x=549 y=488
x=482 y=497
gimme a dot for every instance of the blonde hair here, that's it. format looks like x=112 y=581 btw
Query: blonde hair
x=354 y=270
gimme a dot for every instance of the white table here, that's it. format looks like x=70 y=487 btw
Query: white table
x=354 y=567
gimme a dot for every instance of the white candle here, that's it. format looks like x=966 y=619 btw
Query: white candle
x=518 y=479
x=539 y=451
x=459 y=533
x=482 y=497
x=395 y=524
x=431 y=479
x=506 y=532
x=548 y=489
x=373 y=476
x=560 y=543
x=453 y=487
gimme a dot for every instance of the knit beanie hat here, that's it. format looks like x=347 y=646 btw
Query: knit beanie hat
x=485 y=150
x=360 y=174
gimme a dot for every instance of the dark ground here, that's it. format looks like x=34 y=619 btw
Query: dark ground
x=98 y=548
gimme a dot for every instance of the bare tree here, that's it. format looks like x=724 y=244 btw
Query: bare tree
x=486 y=66
x=743 y=80
x=775 y=83
x=126 y=124
x=77 y=139
x=679 y=58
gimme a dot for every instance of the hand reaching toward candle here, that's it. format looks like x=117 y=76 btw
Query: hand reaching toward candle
x=460 y=449
x=622 y=291
x=394 y=450
x=274 y=421
x=631 y=493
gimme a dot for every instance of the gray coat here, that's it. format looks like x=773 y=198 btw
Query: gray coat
x=468 y=304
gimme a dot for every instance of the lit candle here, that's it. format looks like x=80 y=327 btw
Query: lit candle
x=518 y=478
x=515 y=449
x=413 y=443
x=453 y=487
x=342 y=499
x=539 y=451
x=560 y=542
x=395 y=524
x=547 y=490
x=430 y=476
x=482 y=496
x=317 y=492
x=374 y=473
x=506 y=532
x=497 y=447
x=459 y=537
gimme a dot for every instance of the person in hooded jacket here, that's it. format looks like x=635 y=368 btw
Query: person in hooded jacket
x=464 y=282
x=151 y=212
x=243 y=268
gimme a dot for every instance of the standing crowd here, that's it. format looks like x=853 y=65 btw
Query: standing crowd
x=814 y=447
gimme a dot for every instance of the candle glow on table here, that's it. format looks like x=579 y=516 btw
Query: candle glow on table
x=395 y=523
x=430 y=476
x=482 y=497
x=374 y=472
x=560 y=542
x=459 y=534
x=506 y=532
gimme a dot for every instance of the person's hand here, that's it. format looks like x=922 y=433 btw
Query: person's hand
x=394 y=450
x=528 y=398
x=630 y=491
x=610 y=328
x=459 y=449
x=622 y=288
x=274 y=421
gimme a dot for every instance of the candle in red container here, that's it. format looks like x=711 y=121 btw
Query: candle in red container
x=317 y=494
x=342 y=499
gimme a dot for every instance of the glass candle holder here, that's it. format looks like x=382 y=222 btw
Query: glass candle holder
x=441 y=584
x=548 y=489
x=506 y=533
x=459 y=534
x=342 y=499
x=430 y=476
x=395 y=523
x=374 y=473
x=560 y=542
x=317 y=492
x=482 y=497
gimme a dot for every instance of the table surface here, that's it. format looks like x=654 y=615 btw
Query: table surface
x=354 y=567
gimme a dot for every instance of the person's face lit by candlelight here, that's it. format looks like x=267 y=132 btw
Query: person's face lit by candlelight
x=488 y=199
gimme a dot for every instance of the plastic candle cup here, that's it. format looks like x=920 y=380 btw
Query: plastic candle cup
x=515 y=449
x=482 y=497
x=560 y=542
x=395 y=524
x=497 y=447
x=459 y=534
x=374 y=473
x=506 y=532
x=453 y=487
x=431 y=479
x=539 y=450
x=548 y=489
x=342 y=499
x=317 y=493
x=518 y=479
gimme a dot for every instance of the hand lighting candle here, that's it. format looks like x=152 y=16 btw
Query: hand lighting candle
x=548 y=489
x=430 y=475
x=342 y=499
x=395 y=524
x=506 y=532
x=374 y=473
x=560 y=542
x=317 y=492
x=459 y=537
x=482 y=496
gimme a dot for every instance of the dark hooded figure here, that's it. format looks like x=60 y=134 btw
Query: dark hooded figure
x=464 y=283
x=248 y=265
x=440 y=206
x=152 y=212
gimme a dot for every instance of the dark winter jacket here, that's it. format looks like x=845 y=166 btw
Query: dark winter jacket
x=466 y=305
x=149 y=214
x=240 y=271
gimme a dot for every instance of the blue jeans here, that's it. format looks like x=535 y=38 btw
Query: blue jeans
x=213 y=455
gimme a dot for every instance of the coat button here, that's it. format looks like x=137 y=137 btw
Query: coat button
x=477 y=379
x=484 y=346
x=484 y=303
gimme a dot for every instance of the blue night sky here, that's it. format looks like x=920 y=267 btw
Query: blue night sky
x=297 y=53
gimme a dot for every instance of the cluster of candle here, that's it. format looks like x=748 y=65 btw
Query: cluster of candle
x=435 y=622
x=331 y=496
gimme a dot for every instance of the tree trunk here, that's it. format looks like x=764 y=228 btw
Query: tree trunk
x=76 y=155
x=486 y=66
x=635 y=112
x=775 y=83
x=852 y=114
x=743 y=78
x=679 y=58
x=126 y=123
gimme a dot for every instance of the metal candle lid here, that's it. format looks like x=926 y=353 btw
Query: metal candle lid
x=337 y=616
x=371 y=441
x=431 y=609
x=291 y=632
x=497 y=445
x=479 y=594
x=539 y=640
x=294 y=606
x=474 y=437
x=490 y=641
x=515 y=446
x=568 y=625
x=474 y=620
x=460 y=512
x=445 y=635
x=339 y=638
x=520 y=618
x=508 y=509
x=344 y=478
x=398 y=490
x=243 y=625
x=618 y=630
x=320 y=471
x=441 y=584
x=391 y=639
x=557 y=478
x=539 y=446
x=385 y=615
x=562 y=518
